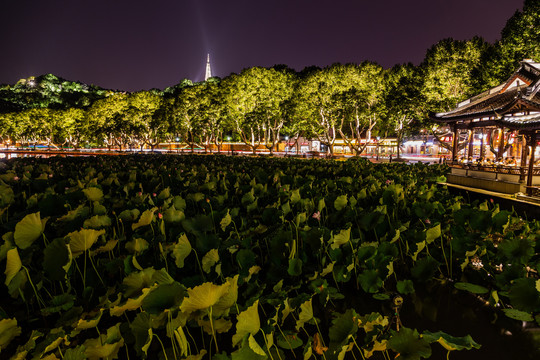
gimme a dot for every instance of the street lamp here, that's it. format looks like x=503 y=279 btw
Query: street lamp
x=228 y=138
x=286 y=145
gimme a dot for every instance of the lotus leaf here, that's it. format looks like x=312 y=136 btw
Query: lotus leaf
x=245 y=352
x=106 y=346
x=131 y=304
x=248 y=322
x=203 y=297
x=137 y=281
x=341 y=202
x=372 y=321
x=77 y=353
x=343 y=326
x=405 y=287
x=306 y=314
x=181 y=250
x=60 y=303
x=171 y=215
x=164 y=194
x=253 y=206
x=381 y=296
x=7 y=245
x=109 y=246
x=290 y=341
x=162 y=277
x=472 y=288
x=209 y=260
x=146 y=218
x=245 y=259
x=179 y=203
x=341 y=238
x=97 y=222
x=99 y=209
x=225 y=221
x=93 y=194
x=518 y=315
x=409 y=345
x=13 y=265
x=84 y=324
x=377 y=346
x=28 y=230
x=199 y=356
x=524 y=295
x=164 y=296
x=433 y=233
x=223 y=305
x=82 y=240
x=424 y=269
x=7 y=196
x=480 y=220
x=218 y=325
x=286 y=208
x=370 y=281
x=449 y=342
x=17 y=284
x=137 y=245
x=129 y=215
x=8 y=331
x=419 y=247
x=517 y=249
x=295 y=267
x=295 y=196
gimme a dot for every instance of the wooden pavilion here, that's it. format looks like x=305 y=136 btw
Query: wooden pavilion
x=495 y=135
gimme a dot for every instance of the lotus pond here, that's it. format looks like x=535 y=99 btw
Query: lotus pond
x=215 y=257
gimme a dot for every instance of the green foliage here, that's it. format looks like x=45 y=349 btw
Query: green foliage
x=409 y=345
x=324 y=240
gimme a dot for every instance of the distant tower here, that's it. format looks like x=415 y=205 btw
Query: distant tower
x=208 y=73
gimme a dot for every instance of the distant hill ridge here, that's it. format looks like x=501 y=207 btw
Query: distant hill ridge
x=49 y=91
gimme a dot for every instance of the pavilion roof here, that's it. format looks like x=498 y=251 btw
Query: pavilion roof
x=518 y=94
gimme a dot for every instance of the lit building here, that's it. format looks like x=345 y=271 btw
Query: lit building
x=495 y=134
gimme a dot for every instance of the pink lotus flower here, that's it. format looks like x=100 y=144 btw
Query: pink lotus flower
x=427 y=221
x=139 y=193
x=388 y=182
x=16 y=178
x=160 y=216
x=317 y=215
x=154 y=194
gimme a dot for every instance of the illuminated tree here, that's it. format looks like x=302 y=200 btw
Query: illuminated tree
x=361 y=108
x=404 y=101
x=74 y=127
x=340 y=99
x=520 y=39
x=254 y=100
x=448 y=72
x=107 y=124
x=143 y=115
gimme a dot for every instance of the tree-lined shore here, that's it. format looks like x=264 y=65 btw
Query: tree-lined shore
x=259 y=106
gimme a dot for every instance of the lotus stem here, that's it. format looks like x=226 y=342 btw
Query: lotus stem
x=213 y=330
x=97 y=272
x=162 y=347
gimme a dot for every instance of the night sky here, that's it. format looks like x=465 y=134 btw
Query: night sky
x=140 y=44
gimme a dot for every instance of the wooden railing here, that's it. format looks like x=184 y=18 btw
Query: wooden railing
x=501 y=169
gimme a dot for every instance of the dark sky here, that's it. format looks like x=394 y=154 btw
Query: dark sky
x=142 y=44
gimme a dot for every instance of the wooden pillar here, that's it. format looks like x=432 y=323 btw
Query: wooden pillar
x=482 y=146
x=524 y=154
x=501 y=144
x=455 y=143
x=470 y=147
x=531 y=163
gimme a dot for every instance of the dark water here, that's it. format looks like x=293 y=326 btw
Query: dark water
x=459 y=313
